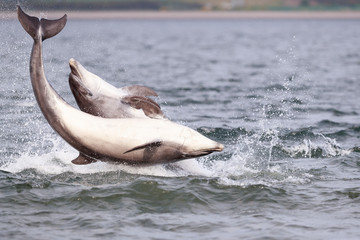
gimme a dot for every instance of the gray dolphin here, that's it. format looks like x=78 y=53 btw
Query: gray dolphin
x=132 y=141
x=97 y=97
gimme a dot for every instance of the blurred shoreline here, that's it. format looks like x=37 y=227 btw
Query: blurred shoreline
x=191 y=15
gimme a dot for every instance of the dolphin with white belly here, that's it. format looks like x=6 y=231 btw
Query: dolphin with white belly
x=97 y=97
x=133 y=141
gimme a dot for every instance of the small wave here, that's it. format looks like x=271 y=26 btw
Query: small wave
x=227 y=135
x=356 y=149
x=323 y=148
x=333 y=111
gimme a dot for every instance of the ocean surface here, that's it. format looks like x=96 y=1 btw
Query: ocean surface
x=281 y=95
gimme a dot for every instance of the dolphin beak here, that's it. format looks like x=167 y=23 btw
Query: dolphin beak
x=74 y=66
x=218 y=148
x=202 y=152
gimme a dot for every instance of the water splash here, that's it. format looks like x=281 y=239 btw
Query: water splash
x=323 y=147
x=263 y=156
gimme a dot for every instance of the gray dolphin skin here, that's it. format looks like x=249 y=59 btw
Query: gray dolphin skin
x=97 y=97
x=120 y=140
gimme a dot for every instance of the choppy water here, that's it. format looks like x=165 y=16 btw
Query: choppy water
x=282 y=96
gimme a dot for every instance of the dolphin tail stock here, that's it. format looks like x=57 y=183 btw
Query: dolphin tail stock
x=43 y=28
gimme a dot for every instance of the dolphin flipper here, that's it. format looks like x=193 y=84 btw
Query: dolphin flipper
x=83 y=160
x=40 y=28
x=149 y=107
x=149 y=146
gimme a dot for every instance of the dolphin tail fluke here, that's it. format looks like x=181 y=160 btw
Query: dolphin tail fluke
x=43 y=28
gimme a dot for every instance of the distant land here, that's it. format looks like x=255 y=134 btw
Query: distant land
x=190 y=15
x=185 y=5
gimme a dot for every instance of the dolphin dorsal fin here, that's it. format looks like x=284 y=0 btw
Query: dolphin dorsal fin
x=149 y=106
x=137 y=90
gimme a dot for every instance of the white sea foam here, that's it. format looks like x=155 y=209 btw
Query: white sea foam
x=250 y=163
x=59 y=161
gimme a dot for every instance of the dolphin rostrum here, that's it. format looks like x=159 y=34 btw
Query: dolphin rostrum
x=121 y=140
x=97 y=97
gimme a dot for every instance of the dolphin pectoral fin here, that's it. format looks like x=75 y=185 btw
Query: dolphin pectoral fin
x=149 y=107
x=83 y=160
x=137 y=90
x=150 y=146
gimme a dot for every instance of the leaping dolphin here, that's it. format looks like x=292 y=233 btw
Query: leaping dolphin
x=97 y=97
x=133 y=141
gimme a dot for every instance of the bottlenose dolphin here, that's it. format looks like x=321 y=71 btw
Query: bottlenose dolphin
x=97 y=97
x=133 y=141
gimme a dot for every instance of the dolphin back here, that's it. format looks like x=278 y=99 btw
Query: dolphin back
x=43 y=28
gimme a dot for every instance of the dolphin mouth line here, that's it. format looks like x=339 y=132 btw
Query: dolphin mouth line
x=219 y=148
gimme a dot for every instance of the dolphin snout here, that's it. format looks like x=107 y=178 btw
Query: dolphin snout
x=204 y=151
x=219 y=148
x=74 y=66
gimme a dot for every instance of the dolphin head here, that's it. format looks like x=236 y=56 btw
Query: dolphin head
x=186 y=143
x=83 y=85
x=88 y=79
x=83 y=96
x=93 y=83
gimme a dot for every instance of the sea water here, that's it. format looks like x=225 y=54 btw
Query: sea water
x=281 y=95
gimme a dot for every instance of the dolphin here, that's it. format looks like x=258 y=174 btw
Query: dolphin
x=117 y=140
x=97 y=97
